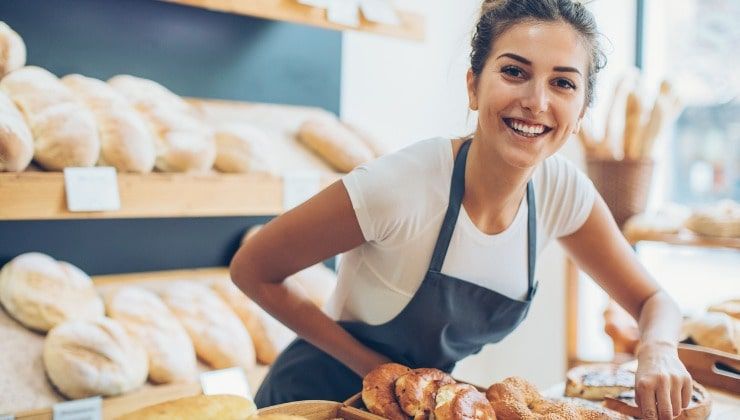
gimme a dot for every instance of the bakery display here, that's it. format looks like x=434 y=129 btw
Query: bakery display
x=218 y=336
x=12 y=50
x=699 y=407
x=721 y=219
x=16 y=141
x=241 y=147
x=146 y=318
x=335 y=143
x=379 y=391
x=198 y=407
x=84 y=358
x=65 y=132
x=595 y=382
x=126 y=142
x=40 y=292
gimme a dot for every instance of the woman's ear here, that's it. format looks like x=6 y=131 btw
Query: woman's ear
x=472 y=93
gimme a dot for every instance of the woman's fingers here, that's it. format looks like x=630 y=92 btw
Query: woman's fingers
x=676 y=395
x=686 y=392
x=663 y=397
x=646 y=391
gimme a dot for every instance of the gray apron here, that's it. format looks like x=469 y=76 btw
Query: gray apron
x=446 y=320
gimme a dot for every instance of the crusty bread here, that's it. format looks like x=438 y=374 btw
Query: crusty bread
x=126 y=141
x=242 y=148
x=416 y=390
x=93 y=357
x=219 y=337
x=16 y=141
x=335 y=143
x=183 y=142
x=64 y=131
x=12 y=50
x=146 y=318
x=595 y=382
x=716 y=330
x=249 y=313
x=700 y=405
x=41 y=292
x=198 y=407
x=378 y=391
x=721 y=219
x=462 y=402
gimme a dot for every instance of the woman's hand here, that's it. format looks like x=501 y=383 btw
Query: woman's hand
x=663 y=387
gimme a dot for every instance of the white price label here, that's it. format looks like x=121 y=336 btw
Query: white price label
x=299 y=187
x=230 y=381
x=323 y=4
x=91 y=189
x=344 y=12
x=85 y=409
x=380 y=11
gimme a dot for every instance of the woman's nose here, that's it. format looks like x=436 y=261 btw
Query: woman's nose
x=535 y=98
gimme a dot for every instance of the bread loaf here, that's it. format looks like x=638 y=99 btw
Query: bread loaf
x=715 y=330
x=16 y=141
x=241 y=148
x=219 y=337
x=198 y=407
x=335 y=143
x=252 y=316
x=730 y=307
x=126 y=141
x=146 y=318
x=94 y=357
x=183 y=142
x=41 y=292
x=12 y=50
x=64 y=131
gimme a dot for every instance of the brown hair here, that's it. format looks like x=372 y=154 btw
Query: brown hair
x=497 y=16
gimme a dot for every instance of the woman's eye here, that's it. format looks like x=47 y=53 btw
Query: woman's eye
x=566 y=84
x=512 y=71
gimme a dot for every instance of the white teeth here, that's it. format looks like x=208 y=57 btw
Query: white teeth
x=530 y=129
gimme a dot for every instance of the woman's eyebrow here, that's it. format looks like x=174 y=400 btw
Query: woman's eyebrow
x=529 y=63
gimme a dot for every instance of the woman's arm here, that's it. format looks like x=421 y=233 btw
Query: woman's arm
x=320 y=228
x=599 y=248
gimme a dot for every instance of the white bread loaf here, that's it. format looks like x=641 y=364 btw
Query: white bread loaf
x=126 y=142
x=197 y=407
x=146 y=318
x=41 y=292
x=64 y=131
x=270 y=337
x=715 y=330
x=335 y=143
x=219 y=337
x=86 y=358
x=16 y=141
x=241 y=148
x=12 y=50
x=183 y=142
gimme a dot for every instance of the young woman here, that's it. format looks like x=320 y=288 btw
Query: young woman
x=441 y=238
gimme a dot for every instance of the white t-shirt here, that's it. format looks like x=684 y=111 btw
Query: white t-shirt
x=400 y=201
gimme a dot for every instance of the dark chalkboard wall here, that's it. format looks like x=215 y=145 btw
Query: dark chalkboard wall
x=194 y=52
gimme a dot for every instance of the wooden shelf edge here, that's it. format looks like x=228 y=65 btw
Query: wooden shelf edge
x=41 y=196
x=411 y=27
x=684 y=237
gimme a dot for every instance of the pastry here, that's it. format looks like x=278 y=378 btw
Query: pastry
x=378 y=391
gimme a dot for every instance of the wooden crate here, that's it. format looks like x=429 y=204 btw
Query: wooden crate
x=712 y=368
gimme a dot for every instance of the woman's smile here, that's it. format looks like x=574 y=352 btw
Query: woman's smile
x=525 y=129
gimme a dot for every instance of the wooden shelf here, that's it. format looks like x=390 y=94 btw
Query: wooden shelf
x=411 y=26
x=685 y=237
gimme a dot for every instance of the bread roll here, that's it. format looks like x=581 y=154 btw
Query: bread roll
x=12 y=50
x=721 y=219
x=379 y=391
x=241 y=148
x=462 y=402
x=93 y=357
x=335 y=143
x=715 y=330
x=183 y=142
x=41 y=292
x=219 y=337
x=16 y=141
x=126 y=141
x=416 y=391
x=197 y=407
x=64 y=131
x=269 y=338
x=146 y=318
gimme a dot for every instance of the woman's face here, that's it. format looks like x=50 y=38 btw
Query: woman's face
x=530 y=95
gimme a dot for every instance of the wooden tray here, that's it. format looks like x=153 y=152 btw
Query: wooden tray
x=712 y=368
x=318 y=410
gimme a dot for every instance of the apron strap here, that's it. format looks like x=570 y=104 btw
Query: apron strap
x=531 y=240
x=457 y=189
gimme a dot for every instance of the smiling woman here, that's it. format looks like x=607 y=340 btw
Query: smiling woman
x=440 y=239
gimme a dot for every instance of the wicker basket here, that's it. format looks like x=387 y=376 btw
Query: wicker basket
x=624 y=184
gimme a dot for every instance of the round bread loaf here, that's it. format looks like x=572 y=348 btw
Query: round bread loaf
x=417 y=390
x=95 y=357
x=716 y=330
x=146 y=318
x=16 y=141
x=41 y=292
x=200 y=407
x=12 y=50
x=462 y=402
x=241 y=148
x=378 y=391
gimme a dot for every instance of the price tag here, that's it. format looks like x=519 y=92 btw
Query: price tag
x=85 y=409
x=344 y=12
x=7 y=417
x=91 y=189
x=323 y=4
x=230 y=381
x=299 y=187
x=380 y=11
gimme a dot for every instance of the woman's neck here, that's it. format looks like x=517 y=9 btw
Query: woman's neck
x=493 y=188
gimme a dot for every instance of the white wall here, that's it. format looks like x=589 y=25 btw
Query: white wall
x=404 y=91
